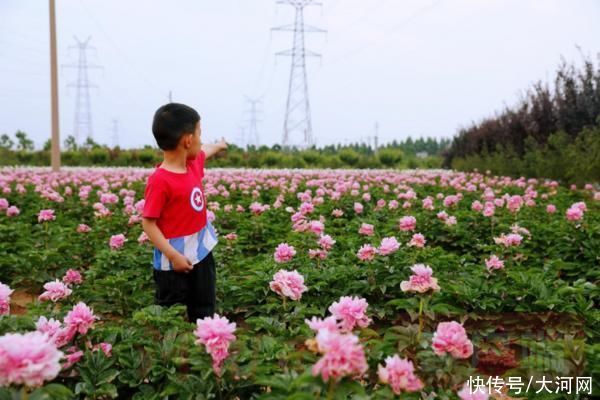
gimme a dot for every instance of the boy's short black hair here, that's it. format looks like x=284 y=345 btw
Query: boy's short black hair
x=171 y=122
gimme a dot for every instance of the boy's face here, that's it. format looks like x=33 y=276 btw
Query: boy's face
x=193 y=142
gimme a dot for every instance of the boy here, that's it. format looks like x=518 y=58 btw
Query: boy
x=174 y=216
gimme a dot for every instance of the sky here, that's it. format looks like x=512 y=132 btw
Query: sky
x=419 y=68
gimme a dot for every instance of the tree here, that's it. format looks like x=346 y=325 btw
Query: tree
x=47 y=145
x=90 y=144
x=70 y=143
x=24 y=143
x=6 y=143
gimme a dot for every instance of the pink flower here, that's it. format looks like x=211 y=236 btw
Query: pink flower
x=408 y=223
x=216 y=334
x=451 y=337
x=72 y=276
x=493 y=263
x=306 y=208
x=46 y=215
x=337 y=213
x=5 y=293
x=550 y=208
x=317 y=253
x=514 y=203
x=358 y=208
x=288 y=284
x=50 y=327
x=399 y=373
x=418 y=240
x=231 y=236
x=284 y=253
x=512 y=239
x=12 y=211
x=351 y=312
x=117 y=241
x=143 y=238
x=55 y=291
x=326 y=242
x=72 y=357
x=317 y=324
x=388 y=246
x=574 y=214
x=80 y=318
x=473 y=393
x=105 y=347
x=366 y=229
x=366 y=252
x=421 y=281
x=316 y=227
x=3 y=204
x=342 y=356
x=28 y=359
x=83 y=228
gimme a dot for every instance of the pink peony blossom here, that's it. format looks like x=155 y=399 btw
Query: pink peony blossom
x=216 y=334
x=408 y=223
x=28 y=359
x=72 y=276
x=55 y=291
x=117 y=241
x=358 y=208
x=574 y=214
x=284 y=253
x=288 y=284
x=399 y=373
x=366 y=253
x=317 y=253
x=351 y=312
x=473 y=393
x=72 y=357
x=388 y=246
x=366 y=229
x=83 y=228
x=326 y=242
x=50 y=327
x=5 y=293
x=342 y=356
x=510 y=240
x=105 y=347
x=81 y=318
x=417 y=240
x=231 y=236
x=316 y=324
x=337 y=213
x=12 y=211
x=421 y=281
x=550 y=208
x=493 y=263
x=451 y=337
x=46 y=215
x=143 y=238
x=316 y=227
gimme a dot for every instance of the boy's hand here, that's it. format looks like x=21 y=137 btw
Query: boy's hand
x=181 y=263
x=222 y=144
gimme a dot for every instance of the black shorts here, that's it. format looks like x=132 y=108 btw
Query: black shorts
x=196 y=289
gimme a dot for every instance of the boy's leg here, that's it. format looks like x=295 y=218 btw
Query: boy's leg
x=171 y=288
x=202 y=294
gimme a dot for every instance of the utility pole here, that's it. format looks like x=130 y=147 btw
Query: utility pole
x=55 y=148
x=376 y=136
x=115 y=132
x=297 y=112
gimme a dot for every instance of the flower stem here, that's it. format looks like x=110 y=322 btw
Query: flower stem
x=331 y=390
x=420 y=319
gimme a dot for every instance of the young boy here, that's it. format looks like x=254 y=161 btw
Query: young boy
x=174 y=216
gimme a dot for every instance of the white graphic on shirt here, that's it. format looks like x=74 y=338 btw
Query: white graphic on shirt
x=196 y=199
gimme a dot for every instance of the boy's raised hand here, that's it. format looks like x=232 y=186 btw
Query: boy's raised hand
x=181 y=263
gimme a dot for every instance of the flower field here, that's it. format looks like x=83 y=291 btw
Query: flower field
x=330 y=284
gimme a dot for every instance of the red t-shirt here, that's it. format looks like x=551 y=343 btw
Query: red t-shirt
x=177 y=200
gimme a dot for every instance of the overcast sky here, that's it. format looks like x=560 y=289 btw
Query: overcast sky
x=417 y=67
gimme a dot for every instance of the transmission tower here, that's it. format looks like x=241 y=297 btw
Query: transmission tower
x=297 y=111
x=251 y=134
x=83 y=109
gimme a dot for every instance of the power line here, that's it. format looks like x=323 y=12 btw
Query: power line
x=252 y=136
x=297 y=114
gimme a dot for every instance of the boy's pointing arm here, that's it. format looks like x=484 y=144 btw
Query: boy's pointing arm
x=210 y=149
